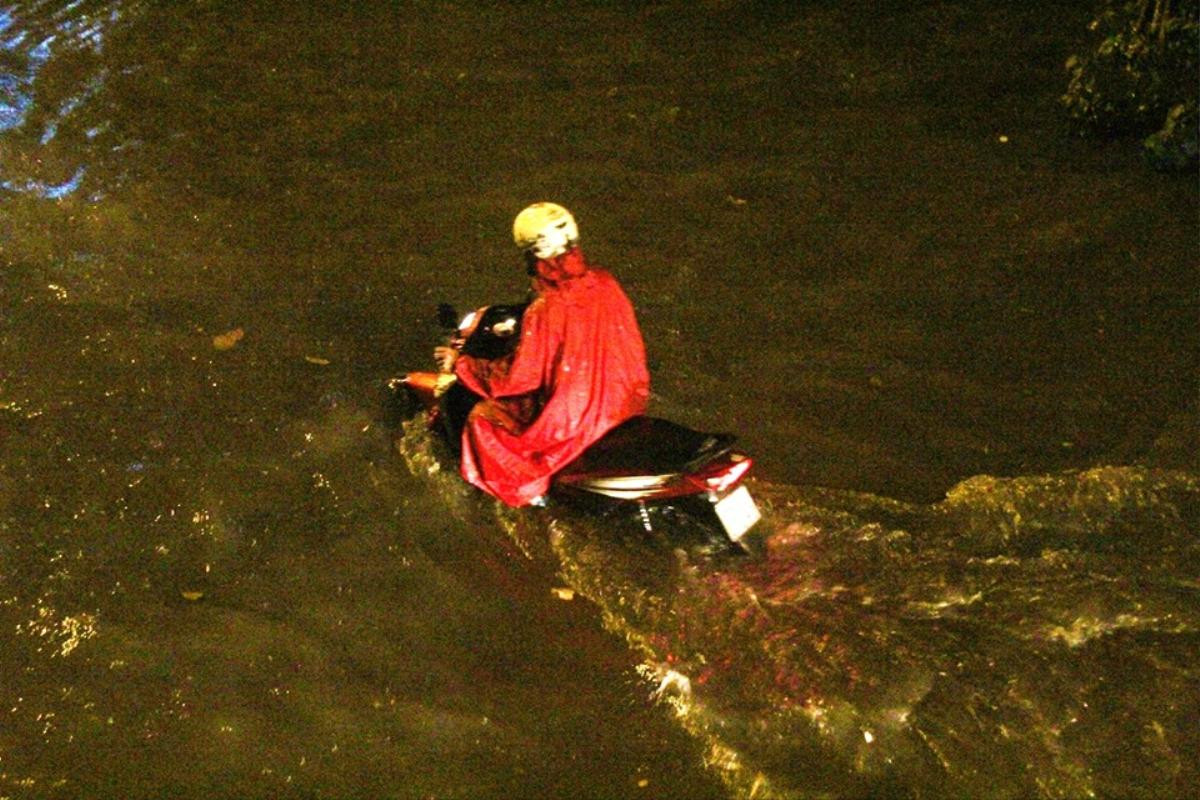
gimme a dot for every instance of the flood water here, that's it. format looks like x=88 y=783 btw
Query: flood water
x=961 y=346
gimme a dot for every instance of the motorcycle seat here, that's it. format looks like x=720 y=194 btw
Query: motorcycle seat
x=649 y=446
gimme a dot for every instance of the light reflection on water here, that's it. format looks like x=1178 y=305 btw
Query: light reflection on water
x=33 y=110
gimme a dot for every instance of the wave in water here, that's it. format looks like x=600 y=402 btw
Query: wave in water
x=1026 y=637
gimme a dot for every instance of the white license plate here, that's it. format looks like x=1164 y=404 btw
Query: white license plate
x=737 y=512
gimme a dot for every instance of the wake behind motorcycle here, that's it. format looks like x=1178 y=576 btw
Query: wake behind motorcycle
x=646 y=466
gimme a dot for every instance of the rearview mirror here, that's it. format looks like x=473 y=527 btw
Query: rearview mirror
x=447 y=316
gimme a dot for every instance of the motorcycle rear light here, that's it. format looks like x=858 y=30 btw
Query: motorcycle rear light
x=727 y=475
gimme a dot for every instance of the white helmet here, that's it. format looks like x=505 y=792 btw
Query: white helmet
x=546 y=230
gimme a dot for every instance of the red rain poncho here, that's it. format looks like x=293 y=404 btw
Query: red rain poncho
x=580 y=360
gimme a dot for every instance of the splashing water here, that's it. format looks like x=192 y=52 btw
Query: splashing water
x=997 y=644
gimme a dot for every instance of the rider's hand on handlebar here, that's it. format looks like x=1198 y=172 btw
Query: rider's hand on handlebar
x=445 y=358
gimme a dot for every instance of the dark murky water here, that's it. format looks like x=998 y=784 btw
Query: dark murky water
x=857 y=237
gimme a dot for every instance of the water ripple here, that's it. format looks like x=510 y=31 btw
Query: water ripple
x=36 y=106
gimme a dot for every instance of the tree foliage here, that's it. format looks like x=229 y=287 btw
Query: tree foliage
x=1141 y=77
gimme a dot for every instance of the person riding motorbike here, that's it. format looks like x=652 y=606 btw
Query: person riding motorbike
x=579 y=368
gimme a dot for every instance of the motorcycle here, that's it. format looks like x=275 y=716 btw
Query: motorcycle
x=649 y=466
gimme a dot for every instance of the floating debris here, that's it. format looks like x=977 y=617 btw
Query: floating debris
x=228 y=340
